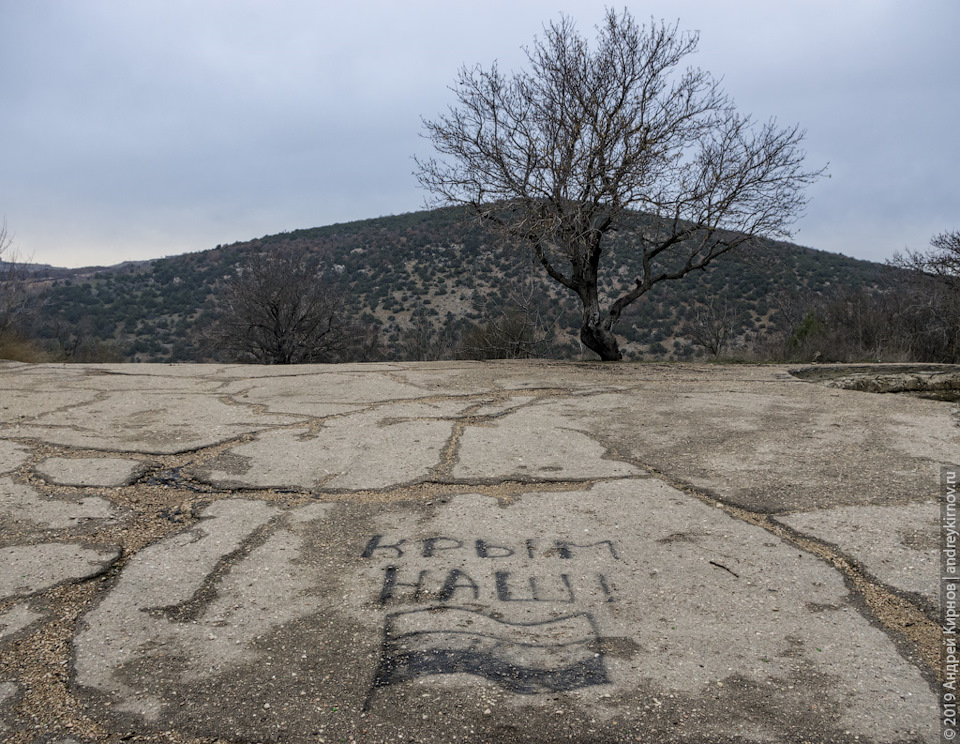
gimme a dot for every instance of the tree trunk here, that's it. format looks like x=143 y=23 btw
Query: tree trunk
x=595 y=334
x=599 y=339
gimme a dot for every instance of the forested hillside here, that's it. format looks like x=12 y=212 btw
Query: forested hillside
x=424 y=280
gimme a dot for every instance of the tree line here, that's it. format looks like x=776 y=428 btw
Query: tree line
x=282 y=304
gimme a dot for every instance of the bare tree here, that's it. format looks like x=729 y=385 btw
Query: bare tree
x=714 y=324
x=281 y=309
x=515 y=324
x=563 y=153
x=932 y=296
x=424 y=341
x=13 y=285
x=940 y=260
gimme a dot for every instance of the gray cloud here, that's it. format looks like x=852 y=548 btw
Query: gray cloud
x=136 y=130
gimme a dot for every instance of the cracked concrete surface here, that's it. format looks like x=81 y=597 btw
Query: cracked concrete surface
x=898 y=543
x=32 y=568
x=24 y=505
x=501 y=551
x=111 y=472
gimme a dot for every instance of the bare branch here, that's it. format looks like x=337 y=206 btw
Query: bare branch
x=561 y=153
x=940 y=260
x=280 y=309
x=14 y=298
x=713 y=325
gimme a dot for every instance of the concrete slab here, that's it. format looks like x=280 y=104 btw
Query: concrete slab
x=23 y=507
x=777 y=446
x=265 y=617
x=462 y=551
x=382 y=448
x=24 y=406
x=147 y=422
x=12 y=456
x=898 y=544
x=105 y=472
x=177 y=601
x=323 y=390
x=29 y=569
x=165 y=377
x=528 y=445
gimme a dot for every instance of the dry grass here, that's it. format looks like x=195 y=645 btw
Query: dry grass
x=16 y=349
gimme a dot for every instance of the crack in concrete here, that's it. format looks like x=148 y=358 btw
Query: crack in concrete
x=34 y=421
x=912 y=626
x=257 y=409
x=165 y=472
x=450 y=454
x=913 y=630
x=192 y=608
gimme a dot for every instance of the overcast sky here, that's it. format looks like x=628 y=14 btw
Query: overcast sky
x=133 y=129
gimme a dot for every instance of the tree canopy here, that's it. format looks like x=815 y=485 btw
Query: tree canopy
x=281 y=309
x=561 y=153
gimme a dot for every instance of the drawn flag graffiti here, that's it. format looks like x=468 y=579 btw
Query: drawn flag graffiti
x=528 y=658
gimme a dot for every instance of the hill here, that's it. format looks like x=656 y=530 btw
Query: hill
x=435 y=270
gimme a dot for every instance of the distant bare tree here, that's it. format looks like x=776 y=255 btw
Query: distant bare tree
x=423 y=341
x=13 y=284
x=932 y=296
x=69 y=337
x=713 y=325
x=560 y=155
x=940 y=260
x=517 y=324
x=280 y=308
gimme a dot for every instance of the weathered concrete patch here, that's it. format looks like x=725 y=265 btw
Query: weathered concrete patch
x=322 y=390
x=507 y=376
x=22 y=505
x=12 y=455
x=376 y=449
x=21 y=407
x=897 y=544
x=630 y=602
x=528 y=445
x=197 y=601
x=105 y=472
x=149 y=422
x=757 y=449
x=16 y=618
x=330 y=394
x=28 y=569
x=79 y=380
